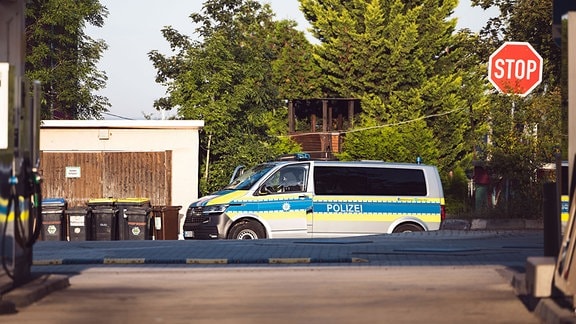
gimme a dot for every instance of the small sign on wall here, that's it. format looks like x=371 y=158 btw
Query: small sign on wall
x=72 y=172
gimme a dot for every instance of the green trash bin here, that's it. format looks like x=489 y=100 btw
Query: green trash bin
x=133 y=218
x=104 y=214
x=53 y=220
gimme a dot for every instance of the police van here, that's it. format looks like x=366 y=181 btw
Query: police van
x=310 y=199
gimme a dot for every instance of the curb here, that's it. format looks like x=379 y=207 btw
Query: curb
x=32 y=291
x=195 y=261
x=546 y=309
x=491 y=224
x=550 y=312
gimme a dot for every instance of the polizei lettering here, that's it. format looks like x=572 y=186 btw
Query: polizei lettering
x=344 y=208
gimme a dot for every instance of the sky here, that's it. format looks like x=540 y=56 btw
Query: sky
x=132 y=30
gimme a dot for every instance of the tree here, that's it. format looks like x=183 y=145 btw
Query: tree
x=524 y=133
x=417 y=78
x=228 y=78
x=63 y=57
x=293 y=70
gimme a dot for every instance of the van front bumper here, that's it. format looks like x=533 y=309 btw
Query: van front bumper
x=203 y=227
x=200 y=232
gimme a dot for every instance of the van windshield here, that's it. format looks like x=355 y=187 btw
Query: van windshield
x=250 y=177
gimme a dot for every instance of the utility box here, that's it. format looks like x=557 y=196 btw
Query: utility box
x=53 y=220
x=165 y=222
x=540 y=276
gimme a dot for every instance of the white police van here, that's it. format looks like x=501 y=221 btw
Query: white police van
x=290 y=199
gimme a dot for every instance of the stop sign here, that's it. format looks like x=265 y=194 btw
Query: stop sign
x=515 y=68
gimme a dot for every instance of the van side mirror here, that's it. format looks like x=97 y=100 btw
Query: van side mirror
x=238 y=171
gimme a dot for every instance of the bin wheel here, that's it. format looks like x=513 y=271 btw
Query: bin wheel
x=408 y=227
x=247 y=231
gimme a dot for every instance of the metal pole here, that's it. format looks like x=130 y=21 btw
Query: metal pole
x=207 y=158
x=551 y=220
x=15 y=246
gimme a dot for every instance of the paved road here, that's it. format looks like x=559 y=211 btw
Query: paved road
x=281 y=295
x=507 y=248
x=434 y=277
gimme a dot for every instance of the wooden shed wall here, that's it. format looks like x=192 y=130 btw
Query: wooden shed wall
x=108 y=175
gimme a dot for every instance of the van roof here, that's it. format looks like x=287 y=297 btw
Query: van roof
x=356 y=163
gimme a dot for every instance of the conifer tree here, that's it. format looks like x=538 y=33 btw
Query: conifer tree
x=412 y=72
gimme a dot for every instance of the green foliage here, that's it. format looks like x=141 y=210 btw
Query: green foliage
x=293 y=70
x=406 y=55
x=422 y=87
x=63 y=57
x=455 y=185
x=523 y=133
x=404 y=141
x=230 y=79
x=524 y=21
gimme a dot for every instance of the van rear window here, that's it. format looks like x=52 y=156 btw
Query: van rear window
x=367 y=181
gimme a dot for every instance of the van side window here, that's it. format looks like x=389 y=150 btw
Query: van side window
x=292 y=178
x=366 y=181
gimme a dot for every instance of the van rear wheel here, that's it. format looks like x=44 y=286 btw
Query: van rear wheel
x=247 y=231
x=403 y=228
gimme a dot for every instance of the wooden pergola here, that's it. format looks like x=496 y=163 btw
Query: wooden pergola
x=331 y=107
x=337 y=115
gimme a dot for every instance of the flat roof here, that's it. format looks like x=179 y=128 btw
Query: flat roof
x=122 y=124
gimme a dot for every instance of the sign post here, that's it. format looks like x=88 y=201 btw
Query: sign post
x=515 y=68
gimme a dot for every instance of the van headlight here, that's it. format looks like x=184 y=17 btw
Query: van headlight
x=214 y=209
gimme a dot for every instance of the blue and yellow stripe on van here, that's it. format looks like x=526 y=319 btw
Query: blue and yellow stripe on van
x=270 y=206
x=564 y=214
x=225 y=198
x=283 y=215
x=368 y=207
x=377 y=209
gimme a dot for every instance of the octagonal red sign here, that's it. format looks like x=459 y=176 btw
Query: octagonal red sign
x=515 y=68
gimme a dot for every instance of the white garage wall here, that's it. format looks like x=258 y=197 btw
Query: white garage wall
x=179 y=136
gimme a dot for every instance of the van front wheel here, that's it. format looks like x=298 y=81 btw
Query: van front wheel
x=247 y=231
x=403 y=228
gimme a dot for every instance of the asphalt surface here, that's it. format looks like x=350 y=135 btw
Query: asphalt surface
x=442 y=277
x=281 y=295
x=507 y=248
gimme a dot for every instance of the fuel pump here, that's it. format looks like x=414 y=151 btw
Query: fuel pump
x=20 y=193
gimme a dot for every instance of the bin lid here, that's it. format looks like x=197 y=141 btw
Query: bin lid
x=163 y=208
x=133 y=201
x=76 y=211
x=104 y=210
x=101 y=202
x=53 y=202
